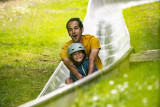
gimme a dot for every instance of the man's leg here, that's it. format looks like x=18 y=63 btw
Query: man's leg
x=69 y=81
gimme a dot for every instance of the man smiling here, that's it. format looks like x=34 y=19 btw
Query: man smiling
x=90 y=43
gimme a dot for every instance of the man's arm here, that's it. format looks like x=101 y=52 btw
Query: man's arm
x=92 y=59
x=69 y=64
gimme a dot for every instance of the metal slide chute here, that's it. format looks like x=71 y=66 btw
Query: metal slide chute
x=57 y=79
x=104 y=19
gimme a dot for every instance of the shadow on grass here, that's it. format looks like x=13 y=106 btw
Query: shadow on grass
x=4 y=0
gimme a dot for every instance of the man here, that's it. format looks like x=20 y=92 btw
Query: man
x=90 y=43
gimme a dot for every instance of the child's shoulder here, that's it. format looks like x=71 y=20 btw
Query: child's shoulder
x=86 y=61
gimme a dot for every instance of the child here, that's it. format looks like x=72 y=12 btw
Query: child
x=76 y=53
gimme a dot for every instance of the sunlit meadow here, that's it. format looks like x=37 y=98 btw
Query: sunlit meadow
x=32 y=33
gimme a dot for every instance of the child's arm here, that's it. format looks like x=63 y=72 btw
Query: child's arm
x=69 y=64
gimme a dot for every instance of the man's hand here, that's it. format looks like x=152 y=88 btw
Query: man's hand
x=92 y=58
x=69 y=64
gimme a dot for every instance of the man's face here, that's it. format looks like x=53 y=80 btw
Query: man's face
x=75 y=32
x=78 y=56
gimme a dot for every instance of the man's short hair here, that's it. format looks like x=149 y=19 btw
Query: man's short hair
x=75 y=19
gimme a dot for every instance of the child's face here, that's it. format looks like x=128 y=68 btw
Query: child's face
x=78 y=56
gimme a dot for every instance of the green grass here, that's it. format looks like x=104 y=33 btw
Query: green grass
x=143 y=25
x=31 y=36
x=139 y=87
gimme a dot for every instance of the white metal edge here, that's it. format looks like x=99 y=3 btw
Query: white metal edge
x=50 y=80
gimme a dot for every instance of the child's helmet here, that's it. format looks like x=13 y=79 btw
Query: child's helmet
x=75 y=47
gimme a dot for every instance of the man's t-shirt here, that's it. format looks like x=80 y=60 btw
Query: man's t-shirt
x=89 y=42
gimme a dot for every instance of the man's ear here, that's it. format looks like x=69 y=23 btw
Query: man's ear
x=82 y=29
x=68 y=33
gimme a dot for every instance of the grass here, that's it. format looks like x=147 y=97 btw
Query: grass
x=139 y=87
x=143 y=25
x=31 y=36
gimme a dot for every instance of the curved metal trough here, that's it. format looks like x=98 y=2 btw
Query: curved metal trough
x=104 y=19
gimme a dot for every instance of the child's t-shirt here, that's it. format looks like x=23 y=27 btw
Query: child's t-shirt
x=83 y=69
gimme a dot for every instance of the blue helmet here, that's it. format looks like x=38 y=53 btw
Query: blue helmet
x=74 y=48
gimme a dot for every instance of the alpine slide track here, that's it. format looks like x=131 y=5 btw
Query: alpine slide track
x=104 y=19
